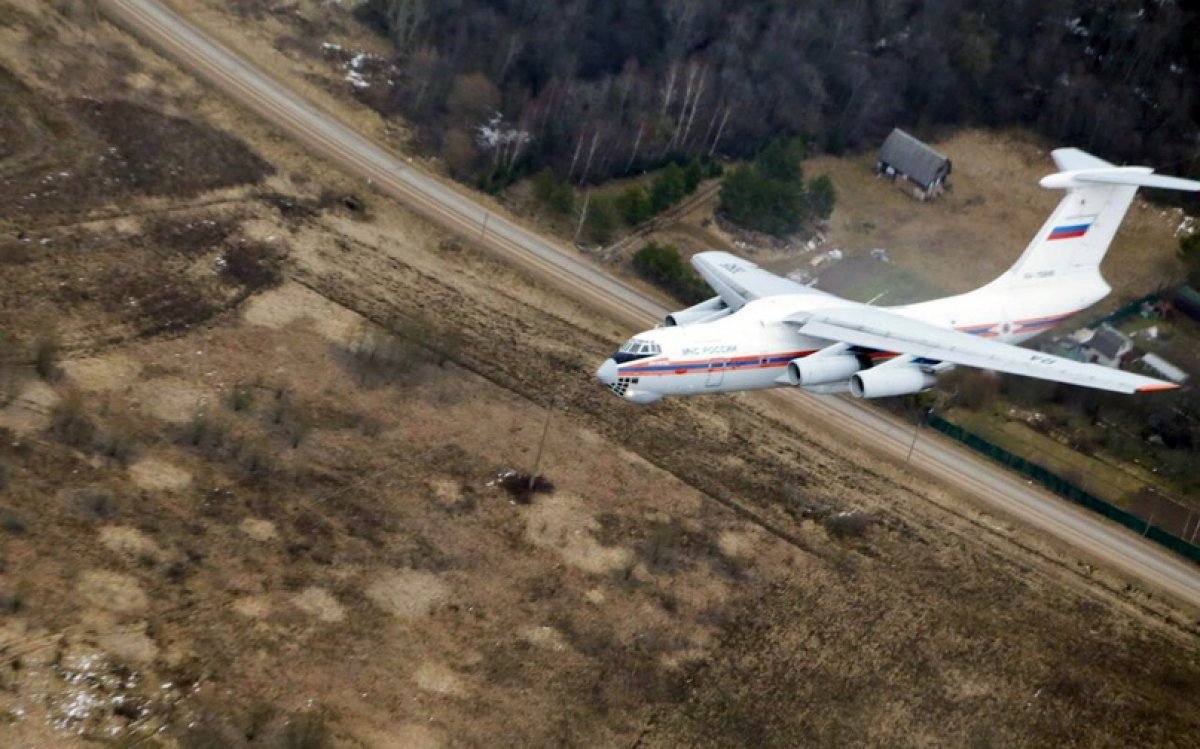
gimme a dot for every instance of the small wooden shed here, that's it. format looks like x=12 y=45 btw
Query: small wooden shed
x=908 y=158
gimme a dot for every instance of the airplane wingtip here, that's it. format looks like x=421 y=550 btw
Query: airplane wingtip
x=1157 y=387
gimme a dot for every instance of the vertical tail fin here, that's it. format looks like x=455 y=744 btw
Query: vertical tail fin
x=1075 y=238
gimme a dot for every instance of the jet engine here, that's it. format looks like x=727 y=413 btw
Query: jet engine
x=881 y=382
x=707 y=311
x=821 y=370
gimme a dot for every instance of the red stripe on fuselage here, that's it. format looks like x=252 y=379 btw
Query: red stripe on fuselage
x=659 y=367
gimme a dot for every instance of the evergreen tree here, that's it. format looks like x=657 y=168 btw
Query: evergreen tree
x=769 y=195
x=634 y=205
x=663 y=266
x=601 y=221
x=559 y=196
x=693 y=174
x=782 y=160
x=668 y=189
x=821 y=197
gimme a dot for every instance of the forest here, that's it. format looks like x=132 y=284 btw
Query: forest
x=595 y=89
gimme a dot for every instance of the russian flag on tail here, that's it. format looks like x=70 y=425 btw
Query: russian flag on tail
x=1069 y=231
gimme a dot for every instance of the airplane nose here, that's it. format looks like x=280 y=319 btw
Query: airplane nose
x=607 y=373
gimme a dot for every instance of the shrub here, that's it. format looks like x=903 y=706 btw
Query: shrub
x=755 y=201
x=241 y=398
x=99 y=504
x=115 y=443
x=769 y=195
x=11 y=522
x=255 y=459
x=498 y=177
x=663 y=266
x=255 y=265
x=821 y=197
x=693 y=175
x=69 y=422
x=634 y=205
x=10 y=354
x=306 y=730
x=601 y=221
x=557 y=195
x=11 y=603
x=849 y=524
x=45 y=355
x=668 y=189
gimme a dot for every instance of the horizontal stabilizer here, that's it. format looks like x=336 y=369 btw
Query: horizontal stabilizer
x=1080 y=169
x=1072 y=159
x=1116 y=177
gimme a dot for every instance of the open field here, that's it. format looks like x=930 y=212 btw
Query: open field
x=1105 y=478
x=977 y=230
x=277 y=523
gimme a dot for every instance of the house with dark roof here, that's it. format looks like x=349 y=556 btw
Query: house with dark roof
x=1108 y=346
x=917 y=164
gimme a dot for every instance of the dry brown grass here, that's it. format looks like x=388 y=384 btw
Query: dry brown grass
x=677 y=587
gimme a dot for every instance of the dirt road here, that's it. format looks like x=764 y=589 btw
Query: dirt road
x=446 y=204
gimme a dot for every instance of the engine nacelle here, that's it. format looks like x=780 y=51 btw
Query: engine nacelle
x=707 y=311
x=819 y=370
x=884 y=381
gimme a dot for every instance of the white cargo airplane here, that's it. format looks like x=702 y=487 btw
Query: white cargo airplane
x=763 y=331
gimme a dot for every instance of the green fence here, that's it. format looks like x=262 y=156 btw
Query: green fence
x=1129 y=310
x=1064 y=488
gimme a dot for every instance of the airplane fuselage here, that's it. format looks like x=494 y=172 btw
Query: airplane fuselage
x=751 y=348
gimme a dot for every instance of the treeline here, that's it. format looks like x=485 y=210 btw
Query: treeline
x=597 y=89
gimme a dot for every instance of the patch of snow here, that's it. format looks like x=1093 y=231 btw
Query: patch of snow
x=493 y=134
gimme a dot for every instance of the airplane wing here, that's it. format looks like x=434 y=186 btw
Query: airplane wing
x=885 y=331
x=739 y=281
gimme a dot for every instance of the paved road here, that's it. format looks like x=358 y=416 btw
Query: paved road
x=456 y=209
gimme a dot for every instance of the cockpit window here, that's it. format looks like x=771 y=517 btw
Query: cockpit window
x=645 y=348
x=637 y=349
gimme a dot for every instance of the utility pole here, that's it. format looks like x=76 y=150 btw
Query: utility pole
x=483 y=229
x=924 y=412
x=537 y=461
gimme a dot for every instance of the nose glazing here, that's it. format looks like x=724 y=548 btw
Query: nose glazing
x=607 y=373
